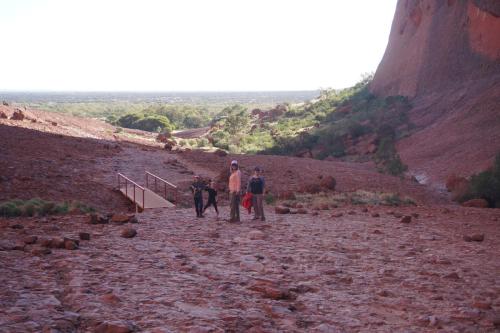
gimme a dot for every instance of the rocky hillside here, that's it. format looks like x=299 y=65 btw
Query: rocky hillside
x=445 y=56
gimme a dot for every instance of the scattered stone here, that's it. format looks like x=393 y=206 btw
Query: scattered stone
x=281 y=210
x=53 y=123
x=375 y=215
x=70 y=244
x=496 y=322
x=17 y=226
x=114 y=327
x=481 y=305
x=3 y=115
x=98 y=219
x=302 y=211
x=30 y=240
x=337 y=215
x=315 y=213
x=271 y=290
x=452 y=276
x=110 y=299
x=120 y=218
x=84 y=236
x=406 y=219
x=364 y=210
x=351 y=212
x=41 y=251
x=55 y=243
x=415 y=215
x=397 y=215
x=256 y=235
x=477 y=237
x=133 y=219
x=477 y=203
x=128 y=233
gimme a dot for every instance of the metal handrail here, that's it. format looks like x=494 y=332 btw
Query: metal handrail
x=127 y=180
x=155 y=177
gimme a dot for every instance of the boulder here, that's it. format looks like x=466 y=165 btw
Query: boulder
x=70 y=244
x=474 y=238
x=120 y=218
x=40 y=251
x=256 y=235
x=17 y=115
x=328 y=182
x=302 y=211
x=169 y=144
x=281 y=210
x=163 y=137
x=477 y=203
x=30 y=240
x=98 y=219
x=406 y=219
x=84 y=236
x=114 y=327
x=128 y=233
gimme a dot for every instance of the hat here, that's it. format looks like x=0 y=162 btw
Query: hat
x=234 y=162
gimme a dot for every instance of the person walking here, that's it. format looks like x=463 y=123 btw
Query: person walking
x=256 y=185
x=234 y=192
x=197 y=188
x=212 y=197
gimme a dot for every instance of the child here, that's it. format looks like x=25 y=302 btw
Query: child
x=212 y=195
x=197 y=188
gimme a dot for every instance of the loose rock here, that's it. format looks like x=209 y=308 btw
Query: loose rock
x=281 y=210
x=128 y=233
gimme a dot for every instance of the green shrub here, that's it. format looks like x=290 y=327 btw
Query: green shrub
x=39 y=207
x=269 y=198
x=486 y=185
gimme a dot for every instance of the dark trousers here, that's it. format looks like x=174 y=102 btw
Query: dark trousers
x=198 y=205
x=211 y=202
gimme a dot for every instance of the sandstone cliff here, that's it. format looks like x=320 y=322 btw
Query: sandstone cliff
x=437 y=43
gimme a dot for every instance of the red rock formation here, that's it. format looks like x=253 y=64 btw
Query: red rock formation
x=445 y=56
x=434 y=44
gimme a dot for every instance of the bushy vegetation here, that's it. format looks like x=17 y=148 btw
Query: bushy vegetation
x=144 y=122
x=39 y=207
x=359 y=197
x=486 y=185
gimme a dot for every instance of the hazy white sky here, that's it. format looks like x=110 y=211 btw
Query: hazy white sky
x=179 y=45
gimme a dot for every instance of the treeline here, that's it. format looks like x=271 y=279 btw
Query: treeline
x=330 y=126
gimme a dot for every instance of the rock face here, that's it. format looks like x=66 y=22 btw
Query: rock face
x=445 y=56
x=434 y=43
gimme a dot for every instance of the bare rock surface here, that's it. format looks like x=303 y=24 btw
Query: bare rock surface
x=291 y=273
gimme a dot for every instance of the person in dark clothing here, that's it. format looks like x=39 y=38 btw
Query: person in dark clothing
x=256 y=186
x=197 y=188
x=212 y=197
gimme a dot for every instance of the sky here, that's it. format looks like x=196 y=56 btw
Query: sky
x=190 y=45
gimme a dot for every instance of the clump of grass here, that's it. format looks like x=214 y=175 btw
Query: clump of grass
x=269 y=198
x=39 y=207
x=360 y=197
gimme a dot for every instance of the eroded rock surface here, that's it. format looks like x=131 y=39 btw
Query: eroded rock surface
x=292 y=273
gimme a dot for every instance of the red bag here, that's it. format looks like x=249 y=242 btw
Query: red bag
x=247 y=202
